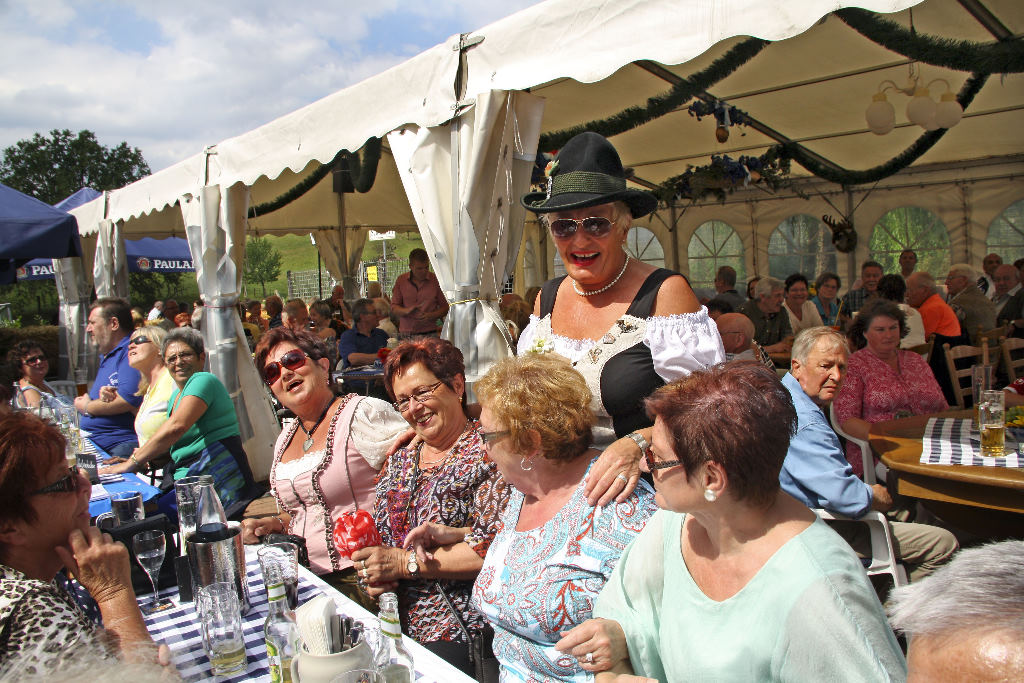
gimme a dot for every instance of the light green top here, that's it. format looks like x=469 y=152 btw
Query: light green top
x=809 y=614
x=218 y=422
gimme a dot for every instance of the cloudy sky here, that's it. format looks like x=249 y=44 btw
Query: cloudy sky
x=172 y=77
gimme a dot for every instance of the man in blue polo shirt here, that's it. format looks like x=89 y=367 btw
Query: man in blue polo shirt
x=111 y=424
x=359 y=345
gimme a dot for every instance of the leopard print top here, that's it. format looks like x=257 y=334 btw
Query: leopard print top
x=39 y=623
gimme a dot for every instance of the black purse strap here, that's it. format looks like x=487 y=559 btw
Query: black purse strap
x=455 y=612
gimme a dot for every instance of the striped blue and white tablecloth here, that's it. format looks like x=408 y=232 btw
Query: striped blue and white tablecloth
x=178 y=628
x=954 y=441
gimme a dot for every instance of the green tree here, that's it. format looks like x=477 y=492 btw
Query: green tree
x=262 y=262
x=53 y=167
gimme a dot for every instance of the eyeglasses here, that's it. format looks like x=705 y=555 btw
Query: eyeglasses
x=183 y=357
x=653 y=464
x=139 y=339
x=491 y=437
x=595 y=226
x=420 y=397
x=32 y=360
x=66 y=484
x=293 y=360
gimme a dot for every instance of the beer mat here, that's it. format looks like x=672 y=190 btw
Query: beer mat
x=953 y=441
x=98 y=492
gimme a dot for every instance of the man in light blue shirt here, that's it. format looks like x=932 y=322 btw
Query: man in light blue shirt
x=816 y=472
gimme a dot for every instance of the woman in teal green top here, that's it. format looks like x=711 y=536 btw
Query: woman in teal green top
x=733 y=580
x=201 y=431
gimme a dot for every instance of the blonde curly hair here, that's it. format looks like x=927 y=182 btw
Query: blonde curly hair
x=541 y=393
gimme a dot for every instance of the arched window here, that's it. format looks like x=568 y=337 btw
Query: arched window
x=643 y=245
x=715 y=244
x=911 y=227
x=801 y=244
x=1006 y=233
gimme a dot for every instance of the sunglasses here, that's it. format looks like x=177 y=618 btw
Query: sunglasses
x=491 y=437
x=138 y=340
x=420 y=397
x=32 y=360
x=66 y=484
x=564 y=228
x=293 y=360
x=653 y=464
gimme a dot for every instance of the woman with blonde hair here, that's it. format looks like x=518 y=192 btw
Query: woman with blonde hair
x=554 y=551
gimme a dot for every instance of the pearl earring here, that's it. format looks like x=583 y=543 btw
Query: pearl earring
x=709 y=495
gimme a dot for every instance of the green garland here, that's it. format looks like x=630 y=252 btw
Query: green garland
x=660 y=105
x=799 y=154
x=961 y=55
x=362 y=181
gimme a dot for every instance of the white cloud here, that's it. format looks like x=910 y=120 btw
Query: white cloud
x=170 y=78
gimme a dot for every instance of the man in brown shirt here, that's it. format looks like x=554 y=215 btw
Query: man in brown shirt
x=417 y=298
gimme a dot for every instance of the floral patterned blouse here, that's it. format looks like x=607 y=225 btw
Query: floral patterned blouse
x=465 y=489
x=874 y=392
x=537 y=583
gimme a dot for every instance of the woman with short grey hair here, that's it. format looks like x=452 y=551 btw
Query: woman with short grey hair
x=201 y=431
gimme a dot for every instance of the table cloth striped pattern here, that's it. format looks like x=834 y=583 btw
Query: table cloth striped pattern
x=954 y=441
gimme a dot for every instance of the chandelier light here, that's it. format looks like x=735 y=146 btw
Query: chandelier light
x=921 y=110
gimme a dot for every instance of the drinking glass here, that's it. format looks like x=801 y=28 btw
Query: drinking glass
x=149 y=547
x=981 y=380
x=125 y=507
x=280 y=564
x=359 y=676
x=186 y=490
x=221 y=621
x=992 y=424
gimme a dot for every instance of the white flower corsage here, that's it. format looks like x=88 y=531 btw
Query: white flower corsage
x=541 y=345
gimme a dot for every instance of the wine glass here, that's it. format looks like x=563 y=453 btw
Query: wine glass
x=149 y=547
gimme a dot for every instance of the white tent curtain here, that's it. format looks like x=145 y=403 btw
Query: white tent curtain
x=215 y=226
x=341 y=251
x=110 y=269
x=470 y=218
x=74 y=293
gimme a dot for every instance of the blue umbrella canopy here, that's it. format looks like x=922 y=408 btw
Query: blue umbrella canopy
x=32 y=229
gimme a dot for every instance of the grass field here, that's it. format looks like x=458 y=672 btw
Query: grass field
x=298 y=253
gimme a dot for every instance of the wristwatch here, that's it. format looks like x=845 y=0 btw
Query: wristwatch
x=639 y=440
x=412 y=564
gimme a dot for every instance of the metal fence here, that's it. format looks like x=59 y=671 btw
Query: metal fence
x=304 y=284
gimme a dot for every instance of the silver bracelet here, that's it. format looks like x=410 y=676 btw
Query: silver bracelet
x=639 y=440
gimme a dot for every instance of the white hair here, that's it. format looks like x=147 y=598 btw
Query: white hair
x=808 y=338
x=981 y=590
x=963 y=270
x=766 y=285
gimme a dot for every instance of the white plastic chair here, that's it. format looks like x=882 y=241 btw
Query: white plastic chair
x=65 y=387
x=883 y=554
x=872 y=471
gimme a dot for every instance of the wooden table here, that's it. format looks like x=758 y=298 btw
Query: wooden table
x=987 y=501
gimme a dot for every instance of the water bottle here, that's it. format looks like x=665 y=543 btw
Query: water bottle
x=393 y=659
x=279 y=633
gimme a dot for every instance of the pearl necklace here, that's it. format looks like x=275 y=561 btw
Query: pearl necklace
x=608 y=286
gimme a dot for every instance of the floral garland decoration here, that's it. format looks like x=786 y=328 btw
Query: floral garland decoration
x=961 y=55
x=724 y=174
x=362 y=181
x=725 y=114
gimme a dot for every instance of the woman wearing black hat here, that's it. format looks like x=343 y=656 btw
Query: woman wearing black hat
x=627 y=326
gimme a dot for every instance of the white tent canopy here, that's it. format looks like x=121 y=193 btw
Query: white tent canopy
x=589 y=60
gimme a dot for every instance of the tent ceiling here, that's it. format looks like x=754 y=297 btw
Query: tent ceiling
x=812 y=87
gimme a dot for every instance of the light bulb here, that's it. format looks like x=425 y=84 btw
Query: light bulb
x=921 y=109
x=880 y=114
x=948 y=112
